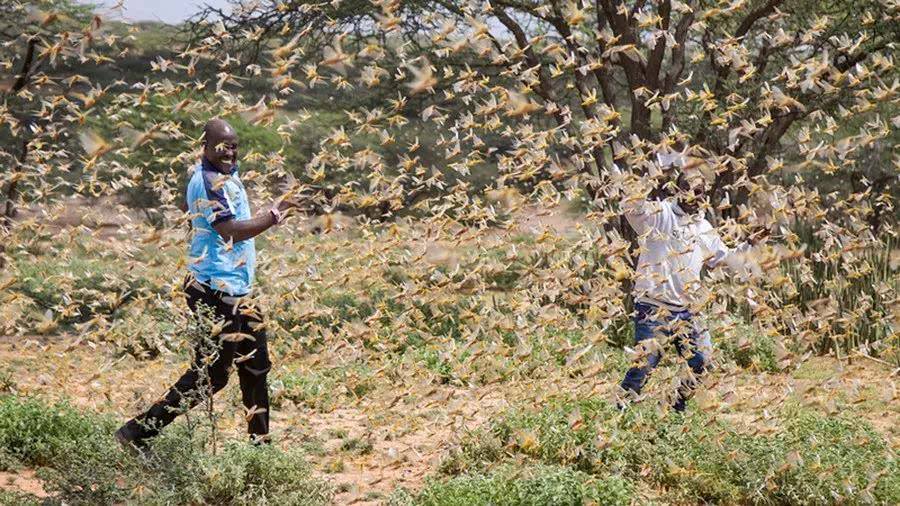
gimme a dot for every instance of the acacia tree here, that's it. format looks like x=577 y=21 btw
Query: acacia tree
x=722 y=80
x=35 y=38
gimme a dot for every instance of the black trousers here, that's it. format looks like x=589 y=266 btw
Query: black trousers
x=207 y=377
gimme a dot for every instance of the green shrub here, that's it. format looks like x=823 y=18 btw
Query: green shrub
x=438 y=363
x=321 y=389
x=36 y=434
x=91 y=470
x=532 y=486
x=811 y=460
x=146 y=332
x=80 y=462
x=12 y=498
x=76 y=286
x=247 y=474
x=359 y=446
x=817 y=459
x=748 y=348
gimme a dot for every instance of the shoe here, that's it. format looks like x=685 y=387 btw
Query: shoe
x=260 y=440
x=131 y=443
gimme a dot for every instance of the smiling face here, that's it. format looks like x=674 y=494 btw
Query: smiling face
x=220 y=145
x=691 y=190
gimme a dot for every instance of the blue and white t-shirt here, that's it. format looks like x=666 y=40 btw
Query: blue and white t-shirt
x=212 y=198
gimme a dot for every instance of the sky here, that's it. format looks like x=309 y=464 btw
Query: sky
x=168 y=11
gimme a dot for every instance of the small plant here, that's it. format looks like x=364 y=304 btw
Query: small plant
x=12 y=498
x=36 y=434
x=359 y=446
x=811 y=460
x=145 y=333
x=748 y=348
x=81 y=463
x=437 y=363
x=7 y=382
x=530 y=486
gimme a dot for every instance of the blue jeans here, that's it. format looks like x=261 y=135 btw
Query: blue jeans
x=677 y=326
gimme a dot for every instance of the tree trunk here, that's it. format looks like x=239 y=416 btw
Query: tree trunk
x=9 y=210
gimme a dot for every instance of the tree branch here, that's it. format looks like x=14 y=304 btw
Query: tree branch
x=755 y=16
x=654 y=62
x=546 y=89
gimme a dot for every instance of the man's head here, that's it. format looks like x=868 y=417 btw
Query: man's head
x=692 y=188
x=220 y=145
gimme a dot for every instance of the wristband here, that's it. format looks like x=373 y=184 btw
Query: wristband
x=279 y=216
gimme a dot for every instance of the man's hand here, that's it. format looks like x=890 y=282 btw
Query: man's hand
x=287 y=204
x=300 y=199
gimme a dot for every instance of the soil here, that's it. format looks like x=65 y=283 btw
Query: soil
x=24 y=481
x=397 y=435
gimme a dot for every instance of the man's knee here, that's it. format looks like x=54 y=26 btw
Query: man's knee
x=256 y=364
x=255 y=369
x=218 y=382
x=257 y=374
x=699 y=362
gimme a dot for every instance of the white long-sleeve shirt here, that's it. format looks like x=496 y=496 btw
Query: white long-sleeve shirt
x=673 y=248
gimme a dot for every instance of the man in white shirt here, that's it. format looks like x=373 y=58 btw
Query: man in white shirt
x=675 y=241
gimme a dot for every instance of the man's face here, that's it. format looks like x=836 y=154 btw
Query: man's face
x=221 y=149
x=691 y=190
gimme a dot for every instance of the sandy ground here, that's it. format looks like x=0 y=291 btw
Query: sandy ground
x=410 y=427
x=24 y=481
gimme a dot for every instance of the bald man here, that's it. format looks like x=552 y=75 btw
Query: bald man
x=221 y=268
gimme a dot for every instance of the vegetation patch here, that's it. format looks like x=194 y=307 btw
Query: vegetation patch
x=80 y=462
x=807 y=459
x=538 y=485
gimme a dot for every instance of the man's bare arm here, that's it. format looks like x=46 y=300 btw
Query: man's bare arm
x=241 y=230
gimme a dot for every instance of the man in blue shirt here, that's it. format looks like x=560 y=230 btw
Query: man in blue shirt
x=222 y=263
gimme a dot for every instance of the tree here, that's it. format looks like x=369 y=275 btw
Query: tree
x=30 y=34
x=33 y=41
x=620 y=80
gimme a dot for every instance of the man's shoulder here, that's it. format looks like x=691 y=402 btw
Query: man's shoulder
x=195 y=173
x=208 y=180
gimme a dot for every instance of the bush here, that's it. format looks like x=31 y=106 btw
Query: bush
x=75 y=287
x=749 y=348
x=811 y=460
x=91 y=470
x=35 y=434
x=11 y=498
x=82 y=463
x=321 y=390
x=146 y=332
x=533 y=486
x=245 y=474
x=818 y=459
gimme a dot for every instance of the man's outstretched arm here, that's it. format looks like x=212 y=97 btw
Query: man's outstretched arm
x=241 y=230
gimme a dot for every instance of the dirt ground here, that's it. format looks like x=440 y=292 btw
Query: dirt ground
x=22 y=481
x=405 y=430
